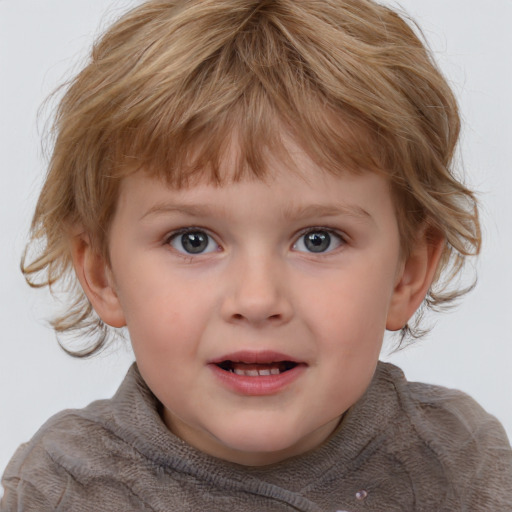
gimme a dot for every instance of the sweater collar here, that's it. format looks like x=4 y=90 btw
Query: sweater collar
x=137 y=420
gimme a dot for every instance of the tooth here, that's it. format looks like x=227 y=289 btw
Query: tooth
x=238 y=371
x=264 y=372
x=274 y=371
x=252 y=373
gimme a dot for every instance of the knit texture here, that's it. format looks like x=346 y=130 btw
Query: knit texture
x=403 y=447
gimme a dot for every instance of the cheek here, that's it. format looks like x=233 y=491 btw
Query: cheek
x=356 y=300
x=349 y=314
x=165 y=319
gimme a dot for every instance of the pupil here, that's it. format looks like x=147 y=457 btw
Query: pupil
x=318 y=241
x=195 y=242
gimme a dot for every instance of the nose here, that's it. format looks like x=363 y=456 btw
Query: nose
x=257 y=293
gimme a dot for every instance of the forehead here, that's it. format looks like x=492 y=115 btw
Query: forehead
x=292 y=187
x=237 y=158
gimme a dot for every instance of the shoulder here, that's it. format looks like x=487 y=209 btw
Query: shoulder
x=60 y=456
x=445 y=417
x=73 y=458
x=470 y=444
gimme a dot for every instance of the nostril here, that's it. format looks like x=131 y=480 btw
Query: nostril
x=238 y=316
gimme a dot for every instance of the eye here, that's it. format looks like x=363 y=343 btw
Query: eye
x=318 y=241
x=193 y=241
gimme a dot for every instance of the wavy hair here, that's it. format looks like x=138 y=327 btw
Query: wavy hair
x=168 y=86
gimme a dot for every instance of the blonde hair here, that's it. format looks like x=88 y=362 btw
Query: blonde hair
x=170 y=83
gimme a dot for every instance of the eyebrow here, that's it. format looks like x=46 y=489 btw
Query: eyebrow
x=290 y=212
x=326 y=210
x=195 y=210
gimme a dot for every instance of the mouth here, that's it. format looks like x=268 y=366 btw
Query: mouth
x=256 y=369
x=257 y=373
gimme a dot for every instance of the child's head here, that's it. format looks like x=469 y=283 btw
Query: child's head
x=282 y=107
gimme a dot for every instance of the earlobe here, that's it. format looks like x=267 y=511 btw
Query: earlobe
x=414 y=280
x=96 y=280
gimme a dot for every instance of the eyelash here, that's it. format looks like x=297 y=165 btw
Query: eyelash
x=190 y=230
x=331 y=234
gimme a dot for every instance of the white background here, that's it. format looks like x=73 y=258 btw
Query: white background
x=42 y=42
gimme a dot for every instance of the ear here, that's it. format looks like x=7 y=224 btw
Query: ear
x=414 y=279
x=96 y=279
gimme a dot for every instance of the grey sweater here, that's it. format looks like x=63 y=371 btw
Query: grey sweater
x=403 y=447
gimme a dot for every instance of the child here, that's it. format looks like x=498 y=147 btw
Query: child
x=257 y=190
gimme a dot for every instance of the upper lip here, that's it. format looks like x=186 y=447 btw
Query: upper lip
x=255 y=357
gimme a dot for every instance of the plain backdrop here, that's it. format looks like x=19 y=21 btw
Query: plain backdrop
x=42 y=42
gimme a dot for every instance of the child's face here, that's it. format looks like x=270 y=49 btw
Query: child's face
x=256 y=309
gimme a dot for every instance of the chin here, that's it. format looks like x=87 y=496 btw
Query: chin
x=260 y=447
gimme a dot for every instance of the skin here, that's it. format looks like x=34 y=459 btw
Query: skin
x=257 y=288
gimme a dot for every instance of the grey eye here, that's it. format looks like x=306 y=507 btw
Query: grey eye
x=193 y=242
x=318 y=241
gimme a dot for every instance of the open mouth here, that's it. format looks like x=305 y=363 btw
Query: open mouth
x=256 y=369
x=257 y=373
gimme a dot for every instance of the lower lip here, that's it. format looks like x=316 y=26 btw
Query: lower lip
x=258 y=386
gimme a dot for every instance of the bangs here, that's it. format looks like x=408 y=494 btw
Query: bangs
x=216 y=90
x=252 y=88
x=241 y=142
